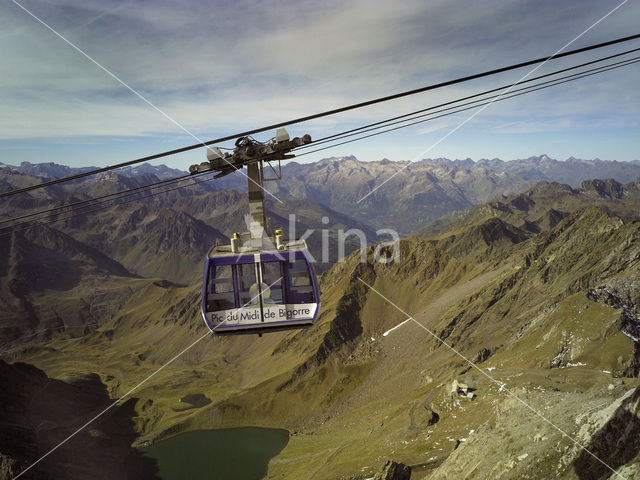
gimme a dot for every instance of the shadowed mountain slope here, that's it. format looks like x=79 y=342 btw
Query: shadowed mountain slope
x=541 y=207
x=150 y=241
x=37 y=413
x=43 y=261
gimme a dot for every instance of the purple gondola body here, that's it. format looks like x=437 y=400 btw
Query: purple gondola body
x=289 y=295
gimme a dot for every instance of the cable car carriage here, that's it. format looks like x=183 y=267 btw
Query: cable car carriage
x=255 y=292
x=257 y=283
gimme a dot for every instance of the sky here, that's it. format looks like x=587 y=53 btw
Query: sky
x=213 y=68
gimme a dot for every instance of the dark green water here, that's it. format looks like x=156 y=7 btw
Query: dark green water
x=230 y=453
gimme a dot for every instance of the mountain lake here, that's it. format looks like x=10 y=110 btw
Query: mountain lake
x=239 y=453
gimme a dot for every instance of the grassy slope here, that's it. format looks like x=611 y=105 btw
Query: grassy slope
x=346 y=391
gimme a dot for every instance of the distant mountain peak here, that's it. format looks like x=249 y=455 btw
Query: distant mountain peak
x=539 y=158
x=607 y=189
x=46 y=170
x=466 y=163
x=160 y=171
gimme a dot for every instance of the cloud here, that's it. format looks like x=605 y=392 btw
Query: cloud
x=219 y=67
x=439 y=125
x=524 y=126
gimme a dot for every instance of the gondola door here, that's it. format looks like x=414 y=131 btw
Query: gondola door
x=250 y=291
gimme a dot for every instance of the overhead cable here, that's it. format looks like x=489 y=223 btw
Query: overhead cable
x=325 y=114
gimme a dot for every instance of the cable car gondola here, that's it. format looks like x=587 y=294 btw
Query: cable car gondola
x=256 y=292
x=257 y=283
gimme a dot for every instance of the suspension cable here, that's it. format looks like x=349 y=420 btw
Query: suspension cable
x=322 y=140
x=29 y=224
x=409 y=116
x=324 y=114
x=120 y=194
x=331 y=139
x=463 y=109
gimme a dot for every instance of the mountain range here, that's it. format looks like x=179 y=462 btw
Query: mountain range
x=572 y=170
x=406 y=196
x=385 y=194
x=525 y=292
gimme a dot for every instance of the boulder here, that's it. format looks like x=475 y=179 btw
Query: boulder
x=394 y=471
x=481 y=356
